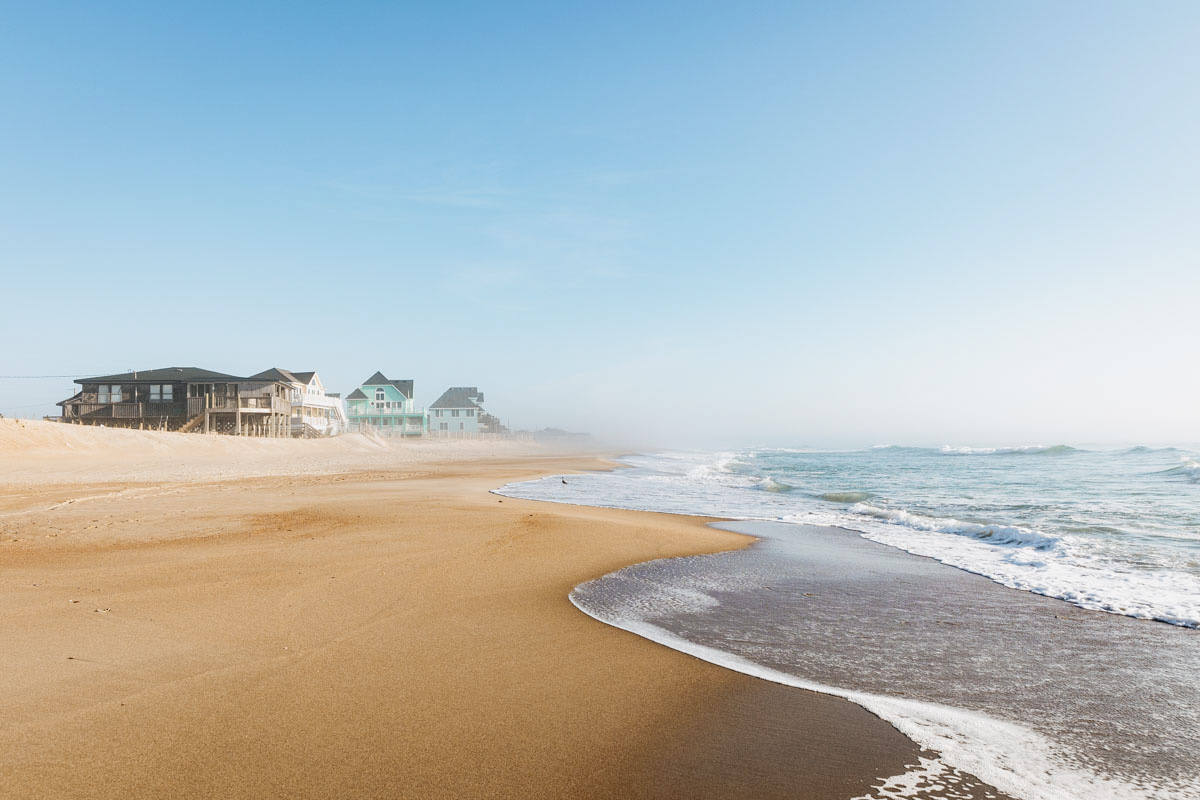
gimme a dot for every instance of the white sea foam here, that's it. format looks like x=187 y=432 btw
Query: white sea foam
x=1018 y=558
x=993 y=534
x=1012 y=758
x=929 y=776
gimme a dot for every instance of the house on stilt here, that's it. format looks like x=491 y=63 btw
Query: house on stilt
x=183 y=399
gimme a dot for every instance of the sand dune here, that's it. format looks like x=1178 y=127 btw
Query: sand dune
x=38 y=452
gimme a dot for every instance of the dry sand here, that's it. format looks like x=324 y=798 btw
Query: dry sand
x=385 y=628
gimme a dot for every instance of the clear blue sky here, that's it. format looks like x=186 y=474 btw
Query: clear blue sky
x=931 y=222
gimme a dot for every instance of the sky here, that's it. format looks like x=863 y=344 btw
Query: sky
x=684 y=224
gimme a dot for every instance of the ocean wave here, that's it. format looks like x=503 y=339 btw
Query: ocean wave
x=715 y=469
x=1065 y=567
x=992 y=534
x=772 y=485
x=1025 y=450
x=1188 y=469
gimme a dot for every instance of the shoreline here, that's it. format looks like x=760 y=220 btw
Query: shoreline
x=398 y=633
x=823 y=609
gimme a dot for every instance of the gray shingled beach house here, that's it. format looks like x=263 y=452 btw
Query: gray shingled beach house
x=183 y=399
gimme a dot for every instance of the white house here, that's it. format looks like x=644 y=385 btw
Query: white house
x=314 y=412
x=459 y=412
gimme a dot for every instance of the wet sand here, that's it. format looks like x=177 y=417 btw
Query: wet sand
x=384 y=633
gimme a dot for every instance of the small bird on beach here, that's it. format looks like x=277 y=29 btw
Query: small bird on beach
x=564 y=480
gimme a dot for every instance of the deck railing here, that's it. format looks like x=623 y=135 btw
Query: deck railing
x=186 y=408
x=262 y=402
x=129 y=410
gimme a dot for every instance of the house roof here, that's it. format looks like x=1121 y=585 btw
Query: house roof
x=357 y=394
x=379 y=379
x=285 y=375
x=459 y=397
x=184 y=374
x=276 y=374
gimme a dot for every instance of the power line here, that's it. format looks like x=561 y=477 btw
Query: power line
x=35 y=377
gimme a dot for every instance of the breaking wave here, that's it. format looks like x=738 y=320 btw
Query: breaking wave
x=992 y=534
x=1026 y=450
x=1190 y=469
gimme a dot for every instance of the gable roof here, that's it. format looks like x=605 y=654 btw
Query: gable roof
x=184 y=374
x=357 y=394
x=459 y=397
x=379 y=379
x=275 y=374
x=304 y=377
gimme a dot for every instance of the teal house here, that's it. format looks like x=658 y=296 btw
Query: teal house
x=385 y=407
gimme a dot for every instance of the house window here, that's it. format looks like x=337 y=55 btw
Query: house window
x=438 y=412
x=443 y=426
x=470 y=412
x=454 y=413
x=162 y=393
x=109 y=393
x=380 y=395
x=460 y=426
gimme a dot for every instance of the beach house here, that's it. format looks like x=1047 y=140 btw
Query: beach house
x=459 y=412
x=183 y=399
x=315 y=413
x=384 y=406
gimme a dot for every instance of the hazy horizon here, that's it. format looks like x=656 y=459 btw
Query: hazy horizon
x=686 y=225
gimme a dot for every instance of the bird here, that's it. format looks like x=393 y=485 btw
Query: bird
x=564 y=480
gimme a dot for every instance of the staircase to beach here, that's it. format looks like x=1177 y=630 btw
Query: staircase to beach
x=309 y=432
x=192 y=423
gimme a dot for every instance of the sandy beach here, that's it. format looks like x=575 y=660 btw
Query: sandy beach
x=207 y=617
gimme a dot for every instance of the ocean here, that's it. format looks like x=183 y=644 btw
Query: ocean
x=1081 y=684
